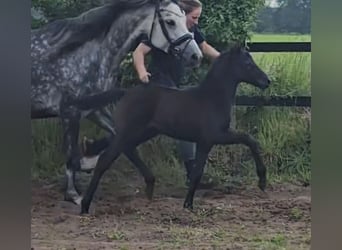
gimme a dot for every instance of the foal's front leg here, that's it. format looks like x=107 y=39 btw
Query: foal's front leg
x=202 y=152
x=234 y=137
x=133 y=155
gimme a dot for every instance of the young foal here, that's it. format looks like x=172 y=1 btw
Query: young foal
x=200 y=114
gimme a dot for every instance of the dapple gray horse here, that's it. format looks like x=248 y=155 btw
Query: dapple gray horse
x=80 y=56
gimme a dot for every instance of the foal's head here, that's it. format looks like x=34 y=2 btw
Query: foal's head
x=244 y=68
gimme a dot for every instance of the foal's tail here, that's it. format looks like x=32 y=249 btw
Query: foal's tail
x=98 y=100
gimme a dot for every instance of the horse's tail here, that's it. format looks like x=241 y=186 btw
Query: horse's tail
x=98 y=100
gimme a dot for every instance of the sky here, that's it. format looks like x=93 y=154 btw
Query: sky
x=271 y=3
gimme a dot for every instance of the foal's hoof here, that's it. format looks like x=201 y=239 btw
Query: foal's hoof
x=84 y=208
x=149 y=190
x=262 y=184
x=188 y=205
x=84 y=211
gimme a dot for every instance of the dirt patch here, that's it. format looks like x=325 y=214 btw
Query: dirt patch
x=122 y=218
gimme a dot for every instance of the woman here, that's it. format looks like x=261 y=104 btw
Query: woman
x=167 y=70
x=166 y=64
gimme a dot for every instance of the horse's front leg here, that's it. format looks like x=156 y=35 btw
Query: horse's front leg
x=234 y=137
x=202 y=151
x=70 y=117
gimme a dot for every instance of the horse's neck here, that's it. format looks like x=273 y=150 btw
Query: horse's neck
x=124 y=32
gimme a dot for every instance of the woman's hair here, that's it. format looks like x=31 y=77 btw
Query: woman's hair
x=189 y=5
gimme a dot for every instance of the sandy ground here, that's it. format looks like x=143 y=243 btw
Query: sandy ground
x=122 y=218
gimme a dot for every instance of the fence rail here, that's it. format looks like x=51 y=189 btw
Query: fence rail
x=288 y=101
x=280 y=47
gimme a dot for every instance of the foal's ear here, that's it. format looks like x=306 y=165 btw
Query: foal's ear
x=236 y=48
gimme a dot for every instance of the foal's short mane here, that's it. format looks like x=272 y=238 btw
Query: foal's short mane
x=70 y=33
x=221 y=62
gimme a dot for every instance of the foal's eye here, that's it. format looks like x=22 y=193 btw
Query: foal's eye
x=170 y=22
x=249 y=63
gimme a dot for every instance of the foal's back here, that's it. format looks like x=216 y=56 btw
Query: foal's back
x=174 y=112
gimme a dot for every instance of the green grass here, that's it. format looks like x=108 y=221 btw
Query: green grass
x=280 y=38
x=290 y=74
x=46 y=148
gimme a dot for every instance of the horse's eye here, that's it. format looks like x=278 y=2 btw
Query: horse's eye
x=170 y=22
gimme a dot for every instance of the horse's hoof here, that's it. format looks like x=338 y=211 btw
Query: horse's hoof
x=76 y=199
x=86 y=143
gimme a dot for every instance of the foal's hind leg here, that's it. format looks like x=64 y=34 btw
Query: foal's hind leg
x=234 y=137
x=133 y=156
x=104 y=162
x=70 y=117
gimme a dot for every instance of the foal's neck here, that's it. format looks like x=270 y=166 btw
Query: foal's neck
x=220 y=84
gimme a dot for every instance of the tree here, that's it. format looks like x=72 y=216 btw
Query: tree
x=229 y=20
x=290 y=16
x=57 y=9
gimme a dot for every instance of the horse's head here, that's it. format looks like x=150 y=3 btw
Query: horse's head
x=170 y=34
x=246 y=69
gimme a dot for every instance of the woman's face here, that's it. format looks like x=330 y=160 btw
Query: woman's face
x=193 y=17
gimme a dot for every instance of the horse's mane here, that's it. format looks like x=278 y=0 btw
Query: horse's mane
x=70 y=33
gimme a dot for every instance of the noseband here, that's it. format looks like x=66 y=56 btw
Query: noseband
x=173 y=48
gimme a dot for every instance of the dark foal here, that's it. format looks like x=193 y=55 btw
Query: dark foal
x=200 y=114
